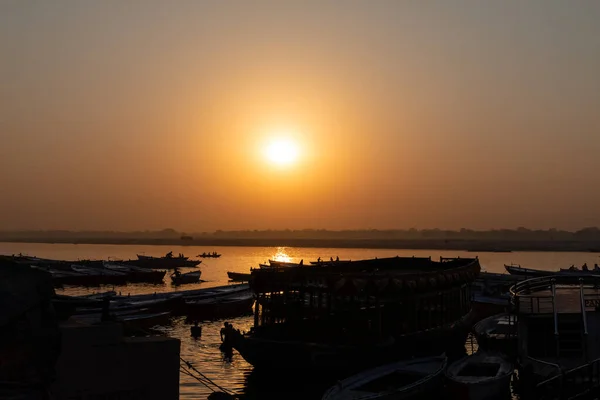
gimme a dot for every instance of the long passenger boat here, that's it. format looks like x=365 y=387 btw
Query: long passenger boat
x=356 y=315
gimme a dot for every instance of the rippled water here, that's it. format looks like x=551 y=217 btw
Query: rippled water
x=235 y=374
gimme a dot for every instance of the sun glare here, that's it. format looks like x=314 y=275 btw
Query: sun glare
x=282 y=151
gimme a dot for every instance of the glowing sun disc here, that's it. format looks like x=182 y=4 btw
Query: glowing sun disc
x=282 y=152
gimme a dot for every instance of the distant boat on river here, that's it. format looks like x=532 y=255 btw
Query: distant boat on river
x=209 y=255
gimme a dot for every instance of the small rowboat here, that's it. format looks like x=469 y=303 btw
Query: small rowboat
x=190 y=277
x=479 y=375
x=419 y=378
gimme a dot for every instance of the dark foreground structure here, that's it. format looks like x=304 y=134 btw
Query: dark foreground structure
x=358 y=314
x=44 y=357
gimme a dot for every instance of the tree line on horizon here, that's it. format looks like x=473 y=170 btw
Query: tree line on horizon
x=521 y=233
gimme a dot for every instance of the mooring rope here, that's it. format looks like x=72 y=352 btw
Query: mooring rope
x=203 y=379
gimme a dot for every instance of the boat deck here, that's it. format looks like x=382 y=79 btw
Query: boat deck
x=567 y=301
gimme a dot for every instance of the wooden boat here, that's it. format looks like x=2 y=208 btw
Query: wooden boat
x=142 y=318
x=209 y=255
x=420 y=378
x=320 y=317
x=274 y=263
x=534 y=273
x=573 y=270
x=482 y=375
x=266 y=353
x=120 y=305
x=497 y=333
x=166 y=262
x=145 y=320
x=220 y=307
x=101 y=276
x=518 y=270
x=238 y=276
x=137 y=274
x=329 y=262
x=193 y=294
x=189 y=277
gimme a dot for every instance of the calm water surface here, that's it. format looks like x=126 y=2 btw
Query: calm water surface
x=235 y=374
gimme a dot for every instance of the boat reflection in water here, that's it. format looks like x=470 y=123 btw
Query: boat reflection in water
x=356 y=315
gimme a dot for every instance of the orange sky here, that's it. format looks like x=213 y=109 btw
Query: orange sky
x=147 y=114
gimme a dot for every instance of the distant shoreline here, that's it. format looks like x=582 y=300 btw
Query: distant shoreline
x=404 y=244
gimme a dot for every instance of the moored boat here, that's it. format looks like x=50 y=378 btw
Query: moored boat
x=167 y=262
x=497 y=333
x=188 y=277
x=530 y=272
x=238 y=276
x=357 y=315
x=410 y=379
x=220 y=307
x=480 y=376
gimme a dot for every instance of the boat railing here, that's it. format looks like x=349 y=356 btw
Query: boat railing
x=538 y=295
x=571 y=383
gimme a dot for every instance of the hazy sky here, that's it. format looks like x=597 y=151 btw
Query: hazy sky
x=152 y=114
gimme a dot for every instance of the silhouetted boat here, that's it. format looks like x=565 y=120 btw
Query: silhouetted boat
x=166 y=262
x=189 y=277
x=357 y=315
x=481 y=376
x=137 y=274
x=328 y=262
x=274 y=263
x=209 y=255
x=497 y=333
x=238 y=276
x=533 y=273
x=418 y=378
x=221 y=307
x=140 y=318
x=518 y=270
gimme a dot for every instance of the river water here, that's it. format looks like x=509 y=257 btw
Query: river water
x=236 y=374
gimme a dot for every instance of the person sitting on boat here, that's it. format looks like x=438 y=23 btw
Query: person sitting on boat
x=584 y=267
x=596 y=267
x=572 y=268
x=169 y=254
x=337 y=258
x=331 y=259
x=176 y=272
x=319 y=259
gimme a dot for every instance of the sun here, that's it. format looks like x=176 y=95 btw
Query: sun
x=282 y=151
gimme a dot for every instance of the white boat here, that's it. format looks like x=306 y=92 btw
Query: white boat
x=482 y=375
x=400 y=380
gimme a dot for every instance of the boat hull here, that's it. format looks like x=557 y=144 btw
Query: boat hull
x=190 y=277
x=468 y=378
x=268 y=354
x=238 y=277
x=210 y=309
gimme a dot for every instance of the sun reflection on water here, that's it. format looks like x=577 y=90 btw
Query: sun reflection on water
x=281 y=255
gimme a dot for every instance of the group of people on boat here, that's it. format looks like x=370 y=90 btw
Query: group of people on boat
x=584 y=268
x=170 y=255
x=213 y=254
x=330 y=259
